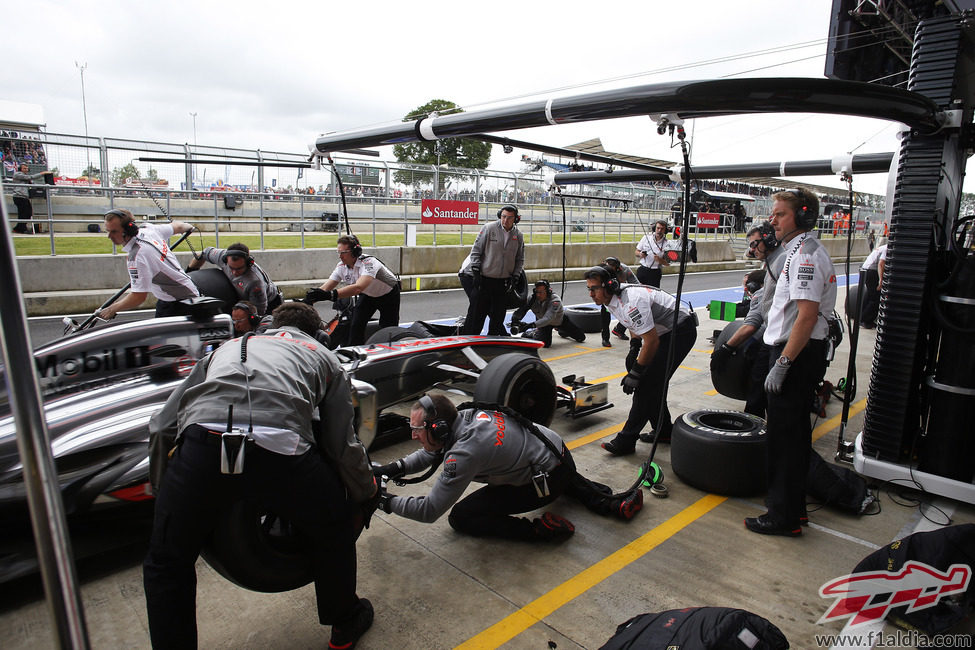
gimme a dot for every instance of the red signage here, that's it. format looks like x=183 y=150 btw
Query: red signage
x=435 y=211
x=708 y=220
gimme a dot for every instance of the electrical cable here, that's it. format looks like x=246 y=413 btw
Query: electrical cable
x=647 y=465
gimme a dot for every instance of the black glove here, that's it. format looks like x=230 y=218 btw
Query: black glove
x=476 y=272
x=636 y=343
x=511 y=283
x=720 y=357
x=385 y=499
x=632 y=379
x=315 y=295
x=391 y=470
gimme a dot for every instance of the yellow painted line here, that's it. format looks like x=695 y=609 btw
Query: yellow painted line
x=593 y=437
x=834 y=422
x=689 y=368
x=574 y=354
x=711 y=392
x=536 y=611
x=609 y=377
x=703 y=351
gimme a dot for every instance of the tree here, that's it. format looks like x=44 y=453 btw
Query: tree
x=119 y=174
x=152 y=175
x=91 y=171
x=453 y=152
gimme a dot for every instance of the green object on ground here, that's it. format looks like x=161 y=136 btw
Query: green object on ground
x=723 y=310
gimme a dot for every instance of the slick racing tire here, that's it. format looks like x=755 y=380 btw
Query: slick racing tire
x=213 y=283
x=720 y=451
x=852 y=305
x=734 y=379
x=390 y=335
x=258 y=551
x=587 y=318
x=520 y=381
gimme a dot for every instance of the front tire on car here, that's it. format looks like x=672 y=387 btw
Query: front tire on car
x=720 y=451
x=520 y=381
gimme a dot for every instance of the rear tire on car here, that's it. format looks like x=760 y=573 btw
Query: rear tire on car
x=390 y=335
x=520 y=381
x=587 y=318
x=214 y=283
x=720 y=451
x=258 y=551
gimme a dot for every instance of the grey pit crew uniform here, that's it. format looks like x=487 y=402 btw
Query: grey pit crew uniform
x=549 y=314
x=492 y=448
x=499 y=255
x=252 y=285
x=285 y=378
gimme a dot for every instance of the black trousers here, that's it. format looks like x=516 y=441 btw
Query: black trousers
x=25 y=212
x=648 y=397
x=171 y=308
x=649 y=276
x=871 y=297
x=472 y=324
x=487 y=511
x=605 y=319
x=790 y=433
x=388 y=307
x=302 y=489
x=490 y=303
x=756 y=401
x=567 y=329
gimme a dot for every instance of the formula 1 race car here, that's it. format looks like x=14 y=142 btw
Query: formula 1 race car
x=100 y=386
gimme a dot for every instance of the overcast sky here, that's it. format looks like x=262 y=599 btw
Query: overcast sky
x=274 y=75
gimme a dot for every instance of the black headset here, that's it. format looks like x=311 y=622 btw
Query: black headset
x=129 y=227
x=547 y=285
x=437 y=426
x=766 y=234
x=608 y=281
x=613 y=263
x=236 y=252
x=356 y=249
x=252 y=316
x=510 y=208
x=805 y=218
x=666 y=226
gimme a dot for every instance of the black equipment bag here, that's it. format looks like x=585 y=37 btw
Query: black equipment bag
x=833 y=485
x=940 y=549
x=700 y=628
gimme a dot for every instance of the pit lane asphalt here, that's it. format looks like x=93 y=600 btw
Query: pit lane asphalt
x=433 y=588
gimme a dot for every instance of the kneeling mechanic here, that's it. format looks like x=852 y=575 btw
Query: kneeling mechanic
x=524 y=470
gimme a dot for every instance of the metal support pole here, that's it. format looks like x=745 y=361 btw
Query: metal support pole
x=34 y=445
x=260 y=184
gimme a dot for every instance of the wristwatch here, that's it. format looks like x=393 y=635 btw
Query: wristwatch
x=784 y=361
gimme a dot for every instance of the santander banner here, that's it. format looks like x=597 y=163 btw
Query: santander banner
x=436 y=211
x=708 y=220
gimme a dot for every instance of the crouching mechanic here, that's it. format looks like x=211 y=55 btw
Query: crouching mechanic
x=648 y=313
x=361 y=274
x=523 y=470
x=249 y=280
x=266 y=449
x=549 y=314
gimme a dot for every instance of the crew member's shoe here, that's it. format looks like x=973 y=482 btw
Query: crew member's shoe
x=763 y=525
x=620 y=445
x=620 y=331
x=648 y=437
x=552 y=527
x=630 y=505
x=607 y=344
x=346 y=636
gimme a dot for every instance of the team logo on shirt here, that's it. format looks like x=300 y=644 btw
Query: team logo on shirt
x=450 y=467
x=482 y=416
x=806 y=272
x=635 y=316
